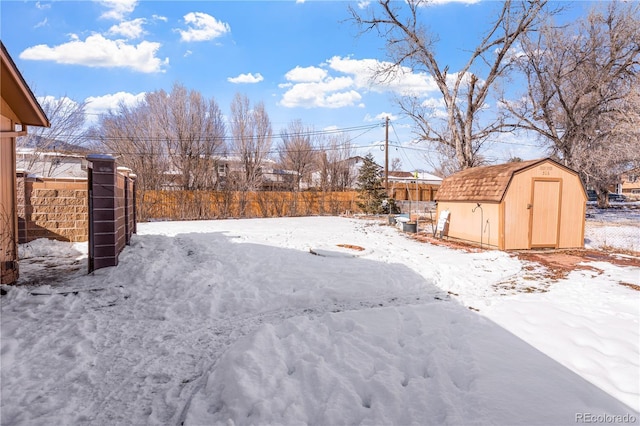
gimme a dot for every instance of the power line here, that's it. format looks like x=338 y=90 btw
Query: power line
x=281 y=135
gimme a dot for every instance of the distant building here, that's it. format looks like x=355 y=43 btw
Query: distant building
x=226 y=170
x=630 y=183
x=51 y=163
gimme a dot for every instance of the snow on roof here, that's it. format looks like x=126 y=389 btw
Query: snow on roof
x=422 y=177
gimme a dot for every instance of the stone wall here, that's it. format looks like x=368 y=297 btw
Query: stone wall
x=55 y=208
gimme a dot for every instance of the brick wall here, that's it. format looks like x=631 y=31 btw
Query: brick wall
x=54 y=208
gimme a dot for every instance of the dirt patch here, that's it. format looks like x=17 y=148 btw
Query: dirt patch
x=632 y=286
x=351 y=247
x=549 y=266
x=426 y=238
x=571 y=259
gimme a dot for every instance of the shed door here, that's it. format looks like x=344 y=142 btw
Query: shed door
x=545 y=213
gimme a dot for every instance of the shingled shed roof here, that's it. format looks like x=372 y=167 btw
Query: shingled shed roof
x=482 y=183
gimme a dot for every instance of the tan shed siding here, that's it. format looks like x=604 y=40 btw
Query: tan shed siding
x=467 y=225
x=572 y=218
x=560 y=200
x=516 y=213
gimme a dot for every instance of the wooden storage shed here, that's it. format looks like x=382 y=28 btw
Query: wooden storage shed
x=516 y=206
x=18 y=109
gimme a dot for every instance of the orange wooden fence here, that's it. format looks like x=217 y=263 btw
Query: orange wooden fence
x=194 y=205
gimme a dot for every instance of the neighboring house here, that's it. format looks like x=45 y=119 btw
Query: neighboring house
x=225 y=170
x=272 y=177
x=414 y=177
x=18 y=110
x=51 y=164
x=630 y=184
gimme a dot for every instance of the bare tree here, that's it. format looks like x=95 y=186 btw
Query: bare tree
x=193 y=131
x=334 y=161
x=396 y=164
x=465 y=92
x=583 y=97
x=177 y=134
x=131 y=133
x=251 y=140
x=296 y=151
x=50 y=144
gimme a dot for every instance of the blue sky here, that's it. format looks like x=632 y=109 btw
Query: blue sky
x=303 y=59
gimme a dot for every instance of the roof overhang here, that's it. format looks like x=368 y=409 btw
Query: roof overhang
x=17 y=95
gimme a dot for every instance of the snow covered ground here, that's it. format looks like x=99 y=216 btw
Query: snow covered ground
x=237 y=322
x=617 y=227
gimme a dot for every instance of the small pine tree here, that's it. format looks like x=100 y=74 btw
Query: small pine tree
x=371 y=193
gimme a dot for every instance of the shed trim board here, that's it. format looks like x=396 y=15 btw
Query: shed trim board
x=534 y=204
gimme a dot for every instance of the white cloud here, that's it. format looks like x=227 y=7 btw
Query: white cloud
x=465 y=80
x=65 y=102
x=380 y=117
x=404 y=81
x=363 y=4
x=41 y=23
x=331 y=93
x=310 y=87
x=342 y=99
x=437 y=107
x=43 y=6
x=306 y=75
x=99 y=52
x=202 y=27
x=129 y=29
x=246 y=78
x=118 y=9
x=160 y=18
x=97 y=105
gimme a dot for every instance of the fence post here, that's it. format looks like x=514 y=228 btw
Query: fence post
x=133 y=216
x=23 y=190
x=102 y=205
x=129 y=202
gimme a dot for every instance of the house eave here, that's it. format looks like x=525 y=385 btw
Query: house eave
x=17 y=95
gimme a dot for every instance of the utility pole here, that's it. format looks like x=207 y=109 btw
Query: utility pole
x=386 y=156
